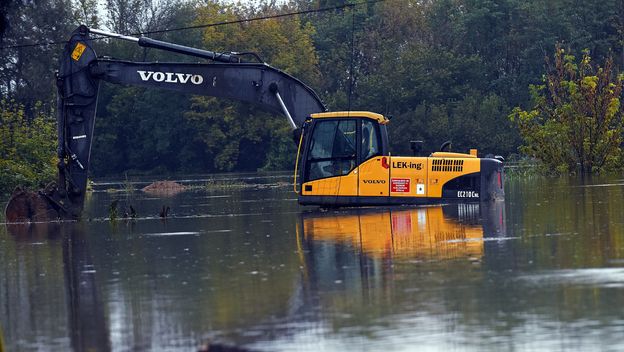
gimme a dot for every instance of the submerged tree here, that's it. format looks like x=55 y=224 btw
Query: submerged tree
x=576 y=123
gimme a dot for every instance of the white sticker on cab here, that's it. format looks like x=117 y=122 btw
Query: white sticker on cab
x=420 y=188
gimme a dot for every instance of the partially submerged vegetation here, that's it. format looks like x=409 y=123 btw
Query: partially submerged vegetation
x=576 y=123
x=522 y=168
x=27 y=146
x=168 y=188
x=218 y=184
x=232 y=184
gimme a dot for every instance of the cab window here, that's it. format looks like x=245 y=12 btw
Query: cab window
x=332 y=149
x=370 y=140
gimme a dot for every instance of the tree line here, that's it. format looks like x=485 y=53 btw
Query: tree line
x=441 y=69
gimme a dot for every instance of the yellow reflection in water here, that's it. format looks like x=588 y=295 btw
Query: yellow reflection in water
x=419 y=232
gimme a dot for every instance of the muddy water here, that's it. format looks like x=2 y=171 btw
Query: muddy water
x=248 y=267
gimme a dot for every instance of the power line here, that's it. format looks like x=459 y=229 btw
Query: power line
x=216 y=24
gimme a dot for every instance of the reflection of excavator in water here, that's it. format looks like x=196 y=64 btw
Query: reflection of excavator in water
x=343 y=157
x=363 y=261
x=452 y=231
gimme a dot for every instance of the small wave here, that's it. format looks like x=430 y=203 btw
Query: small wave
x=602 y=185
x=607 y=277
x=184 y=233
x=180 y=233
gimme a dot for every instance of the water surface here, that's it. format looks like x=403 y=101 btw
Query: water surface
x=248 y=267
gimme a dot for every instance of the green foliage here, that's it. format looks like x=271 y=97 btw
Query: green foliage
x=86 y=12
x=26 y=148
x=445 y=69
x=234 y=143
x=576 y=123
x=237 y=136
x=27 y=73
x=143 y=130
x=476 y=121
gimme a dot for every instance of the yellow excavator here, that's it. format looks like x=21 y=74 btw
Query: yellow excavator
x=344 y=160
x=343 y=157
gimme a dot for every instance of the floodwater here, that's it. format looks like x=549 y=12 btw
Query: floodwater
x=248 y=267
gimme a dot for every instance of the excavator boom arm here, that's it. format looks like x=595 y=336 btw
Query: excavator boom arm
x=255 y=83
x=81 y=72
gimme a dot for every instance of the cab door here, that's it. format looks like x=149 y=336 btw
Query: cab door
x=331 y=160
x=374 y=166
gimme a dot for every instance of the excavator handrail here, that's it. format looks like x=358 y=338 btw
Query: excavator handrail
x=297 y=162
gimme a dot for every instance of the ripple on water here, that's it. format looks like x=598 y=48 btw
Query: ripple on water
x=179 y=233
x=604 y=277
x=183 y=233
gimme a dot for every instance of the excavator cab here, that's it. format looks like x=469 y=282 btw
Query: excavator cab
x=340 y=141
x=336 y=147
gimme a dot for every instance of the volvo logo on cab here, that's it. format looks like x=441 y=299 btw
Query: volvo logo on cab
x=374 y=181
x=170 y=77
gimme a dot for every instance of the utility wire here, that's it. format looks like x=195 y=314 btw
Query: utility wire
x=253 y=19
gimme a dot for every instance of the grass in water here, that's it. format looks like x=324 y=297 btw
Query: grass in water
x=522 y=169
x=213 y=184
x=128 y=187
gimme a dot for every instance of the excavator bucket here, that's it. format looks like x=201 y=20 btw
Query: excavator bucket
x=27 y=206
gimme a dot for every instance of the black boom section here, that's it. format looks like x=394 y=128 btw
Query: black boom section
x=78 y=81
x=254 y=83
x=77 y=100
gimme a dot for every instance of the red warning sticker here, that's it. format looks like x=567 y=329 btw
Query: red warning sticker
x=400 y=185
